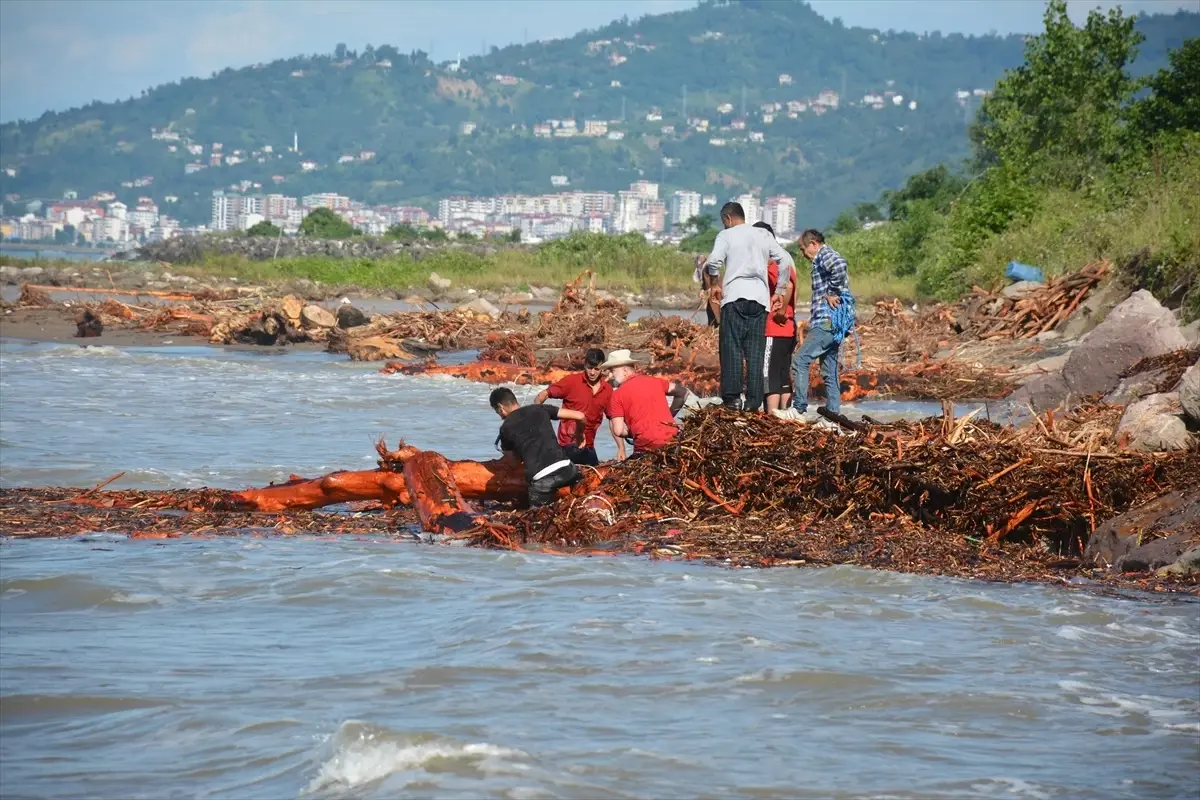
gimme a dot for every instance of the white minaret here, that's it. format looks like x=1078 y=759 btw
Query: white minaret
x=295 y=142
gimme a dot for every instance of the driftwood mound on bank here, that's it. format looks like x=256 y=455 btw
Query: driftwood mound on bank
x=945 y=496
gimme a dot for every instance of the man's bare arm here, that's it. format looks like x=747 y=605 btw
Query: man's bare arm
x=678 y=394
x=543 y=396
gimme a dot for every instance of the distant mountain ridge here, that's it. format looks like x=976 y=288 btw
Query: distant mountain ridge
x=388 y=127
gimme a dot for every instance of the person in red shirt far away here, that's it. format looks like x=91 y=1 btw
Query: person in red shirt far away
x=638 y=408
x=588 y=392
x=781 y=335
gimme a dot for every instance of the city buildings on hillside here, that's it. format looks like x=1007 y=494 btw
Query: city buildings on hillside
x=638 y=209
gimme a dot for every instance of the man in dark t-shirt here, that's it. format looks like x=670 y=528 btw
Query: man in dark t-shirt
x=528 y=436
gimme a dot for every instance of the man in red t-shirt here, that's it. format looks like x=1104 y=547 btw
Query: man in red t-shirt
x=588 y=392
x=781 y=338
x=638 y=408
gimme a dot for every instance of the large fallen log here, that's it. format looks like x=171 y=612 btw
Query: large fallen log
x=498 y=479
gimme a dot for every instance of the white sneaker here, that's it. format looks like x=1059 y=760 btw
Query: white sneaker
x=791 y=415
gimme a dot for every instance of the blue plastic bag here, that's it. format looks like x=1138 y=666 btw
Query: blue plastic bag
x=1016 y=271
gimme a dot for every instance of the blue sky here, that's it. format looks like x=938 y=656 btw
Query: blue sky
x=56 y=54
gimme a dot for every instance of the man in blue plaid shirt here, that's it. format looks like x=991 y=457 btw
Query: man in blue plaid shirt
x=830 y=279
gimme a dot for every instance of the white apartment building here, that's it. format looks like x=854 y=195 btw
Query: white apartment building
x=684 y=206
x=335 y=202
x=221 y=216
x=645 y=189
x=780 y=213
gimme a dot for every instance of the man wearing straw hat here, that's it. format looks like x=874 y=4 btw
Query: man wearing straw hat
x=638 y=407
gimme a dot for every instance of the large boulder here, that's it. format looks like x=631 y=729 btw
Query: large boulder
x=1092 y=311
x=1189 y=393
x=350 y=317
x=1148 y=537
x=1154 y=424
x=1191 y=333
x=438 y=283
x=1137 y=328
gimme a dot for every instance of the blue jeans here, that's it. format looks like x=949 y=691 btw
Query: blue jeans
x=818 y=343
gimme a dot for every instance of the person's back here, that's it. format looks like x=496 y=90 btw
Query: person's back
x=746 y=251
x=642 y=401
x=529 y=433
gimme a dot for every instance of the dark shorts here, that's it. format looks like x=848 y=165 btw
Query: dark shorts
x=582 y=455
x=543 y=490
x=777 y=366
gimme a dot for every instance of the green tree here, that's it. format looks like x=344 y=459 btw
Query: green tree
x=66 y=235
x=403 y=232
x=263 y=228
x=845 y=223
x=322 y=223
x=1174 y=100
x=1058 y=116
x=936 y=188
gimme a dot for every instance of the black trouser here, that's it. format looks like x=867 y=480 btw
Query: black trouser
x=582 y=455
x=543 y=490
x=743 y=335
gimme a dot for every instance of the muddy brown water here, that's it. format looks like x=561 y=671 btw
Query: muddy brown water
x=246 y=668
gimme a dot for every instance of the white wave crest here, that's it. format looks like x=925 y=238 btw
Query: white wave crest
x=364 y=755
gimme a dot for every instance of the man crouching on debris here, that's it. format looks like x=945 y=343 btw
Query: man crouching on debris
x=638 y=408
x=527 y=435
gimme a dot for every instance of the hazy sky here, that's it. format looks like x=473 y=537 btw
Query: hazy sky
x=56 y=54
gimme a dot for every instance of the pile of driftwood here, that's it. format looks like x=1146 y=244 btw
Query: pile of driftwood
x=1024 y=315
x=960 y=497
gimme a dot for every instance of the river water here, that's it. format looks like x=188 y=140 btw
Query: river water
x=375 y=668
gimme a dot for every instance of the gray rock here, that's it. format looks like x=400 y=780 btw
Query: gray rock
x=1165 y=515
x=1093 y=310
x=1191 y=333
x=32 y=274
x=1042 y=393
x=1154 y=554
x=1155 y=424
x=1135 y=387
x=438 y=283
x=479 y=306
x=1137 y=328
x=10 y=274
x=1021 y=287
x=1186 y=564
x=515 y=298
x=545 y=293
x=1045 y=365
x=1047 y=336
x=350 y=317
x=1189 y=392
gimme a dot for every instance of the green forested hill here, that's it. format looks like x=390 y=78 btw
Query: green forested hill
x=409 y=110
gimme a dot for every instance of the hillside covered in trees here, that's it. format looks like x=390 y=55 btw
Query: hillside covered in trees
x=1075 y=160
x=388 y=127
